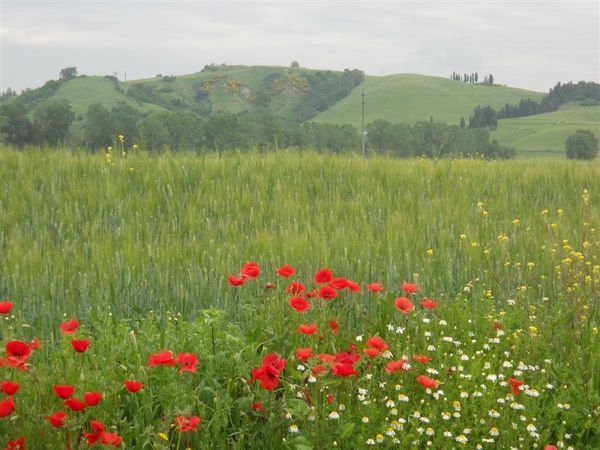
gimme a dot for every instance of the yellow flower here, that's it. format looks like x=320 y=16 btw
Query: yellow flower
x=163 y=436
x=430 y=252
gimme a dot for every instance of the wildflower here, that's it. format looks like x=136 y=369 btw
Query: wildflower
x=234 y=281
x=307 y=329
x=327 y=292
x=75 y=404
x=100 y=436
x=5 y=307
x=9 y=387
x=494 y=431
x=7 y=406
x=80 y=345
x=268 y=374
x=133 y=386
x=365 y=419
x=515 y=385
x=343 y=369
x=377 y=342
x=299 y=304
x=427 y=382
x=164 y=358
x=333 y=326
x=375 y=287
x=323 y=276
x=403 y=304
x=293 y=428
x=69 y=327
x=17 y=444
x=250 y=270
x=379 y=438
x=57 y=419
x=461 y=439
x=427 y=303
x=339 y=283
x=421 y=358
x=64 y=391
x=187 y=423
x=333 y=415
x=92 y=398
x=286 y=271
x=370 y=441
x=395 y=366
x=257 y=406
x=188 y=362
x=410 y=288
x=303 y=354
x=295 y=288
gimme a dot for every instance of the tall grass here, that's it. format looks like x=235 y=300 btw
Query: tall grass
x=162 y=232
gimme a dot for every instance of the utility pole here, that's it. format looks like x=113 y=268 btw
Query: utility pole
x=363 y=131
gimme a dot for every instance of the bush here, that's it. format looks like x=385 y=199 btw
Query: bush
x=582 y=145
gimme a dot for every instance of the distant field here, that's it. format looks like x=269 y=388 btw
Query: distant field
x=544 y=135
x=409 y=98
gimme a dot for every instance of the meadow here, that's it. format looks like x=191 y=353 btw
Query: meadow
x=171 y=270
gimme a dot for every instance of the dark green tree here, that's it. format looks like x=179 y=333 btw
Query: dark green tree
x=491 y=79
x=51 y=121
x=15 y=127
x=68 y=72
x=582 y=145
x=99 y=128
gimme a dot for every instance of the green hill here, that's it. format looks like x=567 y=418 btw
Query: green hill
x=409 y=98
x=545 y=134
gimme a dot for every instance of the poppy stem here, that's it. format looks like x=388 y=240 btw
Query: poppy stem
x=68 y=438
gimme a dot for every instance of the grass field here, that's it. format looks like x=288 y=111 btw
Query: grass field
x=408 y=98
x=544 y=135
x=140 y=252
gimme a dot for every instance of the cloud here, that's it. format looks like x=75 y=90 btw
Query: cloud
x=529 y=44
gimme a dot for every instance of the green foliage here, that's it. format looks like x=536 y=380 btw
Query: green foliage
x=582 y=145
x=99 y=128
x=15 y=126
x=68 y=72
x=51 y=121
x=484 y=118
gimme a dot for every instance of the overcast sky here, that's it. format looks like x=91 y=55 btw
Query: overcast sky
x=525 y=44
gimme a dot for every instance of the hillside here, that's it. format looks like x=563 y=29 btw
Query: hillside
x=545 y=134
x=409 y=98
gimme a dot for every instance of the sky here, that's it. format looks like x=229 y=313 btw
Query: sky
x=531 y=45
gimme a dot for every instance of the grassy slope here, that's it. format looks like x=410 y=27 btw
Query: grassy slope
x=545 y=134
x=409 y=98
x=84 y=91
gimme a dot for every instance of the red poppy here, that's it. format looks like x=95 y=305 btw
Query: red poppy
x=257 y=406
x=333 y=326
x=308 y=329
x=188 y=362
x=427 y=303
x=323 y=276
x=303 y=354
x=403 y=304
x=10 y=387
x=330 y=399
x=286 y=271
x=64 y=391
x=75 y=404
x=7 y=406
x=339 y=283
x=234 y=281
x=427 y=382
x=395 y=366
x=267 y=375
x=421 y=358
x=250 y=270
x=57 y=419
x=347 y=357
x=164 y=358
x=69 y=327
x=100 y=436
x=80 y=345
x=377 y=343
x=295 y=288
x=311 y=294
x=327 y=292
x=299 y=304
x=371 y=352
x=5 y=307
x=133 y=386
x=343 y=369
x=318 y=369
x=352 y=286
x=187 y=423
x=17 y=444
x=326 y=357
x=410 y=288
x=111 y=439
x=515 y=385
x=18 y=349
x=375 y=287
x=274 y=360
x=92 y=398
x=497 y=326
x=34 y=344
x=550 y=447
x=270 y=285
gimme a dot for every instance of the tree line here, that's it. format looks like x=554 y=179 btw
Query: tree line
x=226 y=131
x=472 y=78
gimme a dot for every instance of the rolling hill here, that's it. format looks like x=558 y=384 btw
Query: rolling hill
x=409 y=98
x=544 y=135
